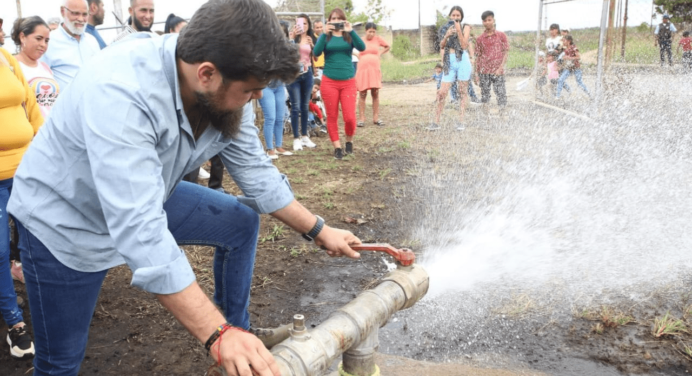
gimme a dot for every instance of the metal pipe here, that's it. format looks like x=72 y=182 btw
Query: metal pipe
x=351 y=327
x=538 y=46
x=360 y=359
x=601 y=42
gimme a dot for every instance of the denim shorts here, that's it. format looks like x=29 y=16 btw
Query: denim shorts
x=458 y=70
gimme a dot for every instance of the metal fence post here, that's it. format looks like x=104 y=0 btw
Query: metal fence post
x=601 y=47
x=538 y=46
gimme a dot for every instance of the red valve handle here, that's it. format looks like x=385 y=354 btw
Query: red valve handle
x=404 y=256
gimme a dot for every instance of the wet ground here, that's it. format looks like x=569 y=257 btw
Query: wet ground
x=400 y=175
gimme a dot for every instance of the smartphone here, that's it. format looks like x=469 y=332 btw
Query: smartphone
x=300 y=23
x=338 y=25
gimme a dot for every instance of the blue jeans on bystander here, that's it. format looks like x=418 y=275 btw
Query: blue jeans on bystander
x=577 y=75
x=299 y=93
x=62 y=300
x=273 y=103
x=11 y=312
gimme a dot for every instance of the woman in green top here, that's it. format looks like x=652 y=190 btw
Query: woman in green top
x=338 y=82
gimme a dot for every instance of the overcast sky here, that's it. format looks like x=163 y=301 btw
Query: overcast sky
x=516 y=15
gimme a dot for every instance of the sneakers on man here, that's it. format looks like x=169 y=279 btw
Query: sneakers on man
x=271 y=337
x=433 y=127
x=338 y=153
x=297 y=145
x=203 y=174
x=16 y=271
x=20 y=342
x=307 y=143
x=349 y=148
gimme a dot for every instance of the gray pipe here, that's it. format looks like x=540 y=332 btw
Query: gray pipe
x=351 y=327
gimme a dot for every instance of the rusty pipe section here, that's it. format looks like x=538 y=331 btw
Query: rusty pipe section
x=310 y=353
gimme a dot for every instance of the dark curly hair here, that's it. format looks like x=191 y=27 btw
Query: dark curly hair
x=242 y=38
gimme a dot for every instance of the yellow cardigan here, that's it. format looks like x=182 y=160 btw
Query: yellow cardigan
x=20 y=116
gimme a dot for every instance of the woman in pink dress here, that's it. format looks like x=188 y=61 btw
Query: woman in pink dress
x=369 y=75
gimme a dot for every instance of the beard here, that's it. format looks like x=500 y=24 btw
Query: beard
x=139 y=26
x=72 y=28
x=209 y=108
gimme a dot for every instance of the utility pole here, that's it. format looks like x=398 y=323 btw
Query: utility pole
x=19 y=8
x=651 y=25
x=611 y=31
x=624 y=31
x=538 y=45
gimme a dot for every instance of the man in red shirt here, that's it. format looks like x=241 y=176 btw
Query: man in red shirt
x=492 y=50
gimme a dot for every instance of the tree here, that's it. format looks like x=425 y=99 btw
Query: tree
x=679 y=10
x=376 y=11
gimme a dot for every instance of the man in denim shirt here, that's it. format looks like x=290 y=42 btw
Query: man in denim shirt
x=101 y=186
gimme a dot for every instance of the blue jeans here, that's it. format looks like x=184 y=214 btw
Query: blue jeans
x=273 y=104
x=299 y=93
x=577 y=75
x=63 y=300
x=11 y=312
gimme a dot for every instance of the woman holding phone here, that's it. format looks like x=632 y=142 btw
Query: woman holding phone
x=454 y=39
x=300 y=90
x=338 y=83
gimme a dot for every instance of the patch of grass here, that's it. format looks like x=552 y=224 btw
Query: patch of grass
x=356 y=168
x=609 y=317
x=295 y=252
x=298 y=180
x=292 y=171
x=598 y=328
x=301 y=197
x=396 y=70
x=276 y=233
x=518 y=306
x=313 y=173
x=329 y=205
x=404 y=145
x=668 y=326
x=384 y=173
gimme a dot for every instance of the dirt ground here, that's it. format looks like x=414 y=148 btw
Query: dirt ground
x=369 y=194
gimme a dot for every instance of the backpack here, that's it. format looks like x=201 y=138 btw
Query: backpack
x=664 y=33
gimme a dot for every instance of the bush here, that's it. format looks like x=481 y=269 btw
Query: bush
x=643 y=28
x=403 y=49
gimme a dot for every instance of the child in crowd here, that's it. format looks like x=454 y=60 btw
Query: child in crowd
x=554 y=74
x=492 y=50
x=572 y=64
x=437 y=77
x=316 y=117
x=686 y=43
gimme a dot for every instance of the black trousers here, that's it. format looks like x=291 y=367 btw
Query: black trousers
x=216 y=178
x=498 y=84
x=666 y=49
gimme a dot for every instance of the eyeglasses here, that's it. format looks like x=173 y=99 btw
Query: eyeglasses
x=76 y=14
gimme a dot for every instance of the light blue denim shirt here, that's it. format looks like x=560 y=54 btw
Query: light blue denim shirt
x=93 y=182
x=66 y=55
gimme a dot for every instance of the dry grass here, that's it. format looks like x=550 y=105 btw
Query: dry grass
x=668 y=326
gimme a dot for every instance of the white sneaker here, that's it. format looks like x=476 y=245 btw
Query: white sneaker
x=307 y=143
x=203 y=174
x=297 y=145
x=272 y=156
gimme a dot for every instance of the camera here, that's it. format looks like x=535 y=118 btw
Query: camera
x=338 y=25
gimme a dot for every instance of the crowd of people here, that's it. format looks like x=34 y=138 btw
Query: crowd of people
x=111 y=138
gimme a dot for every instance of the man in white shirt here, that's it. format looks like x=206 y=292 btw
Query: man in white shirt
x=141 y=18
x=70 y=47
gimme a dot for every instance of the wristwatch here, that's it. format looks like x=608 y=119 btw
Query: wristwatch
x=312 y=234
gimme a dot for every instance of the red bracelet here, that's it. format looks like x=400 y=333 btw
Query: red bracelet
x=217 y=334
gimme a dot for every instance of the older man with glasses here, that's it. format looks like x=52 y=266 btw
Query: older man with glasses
x=70 y=47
